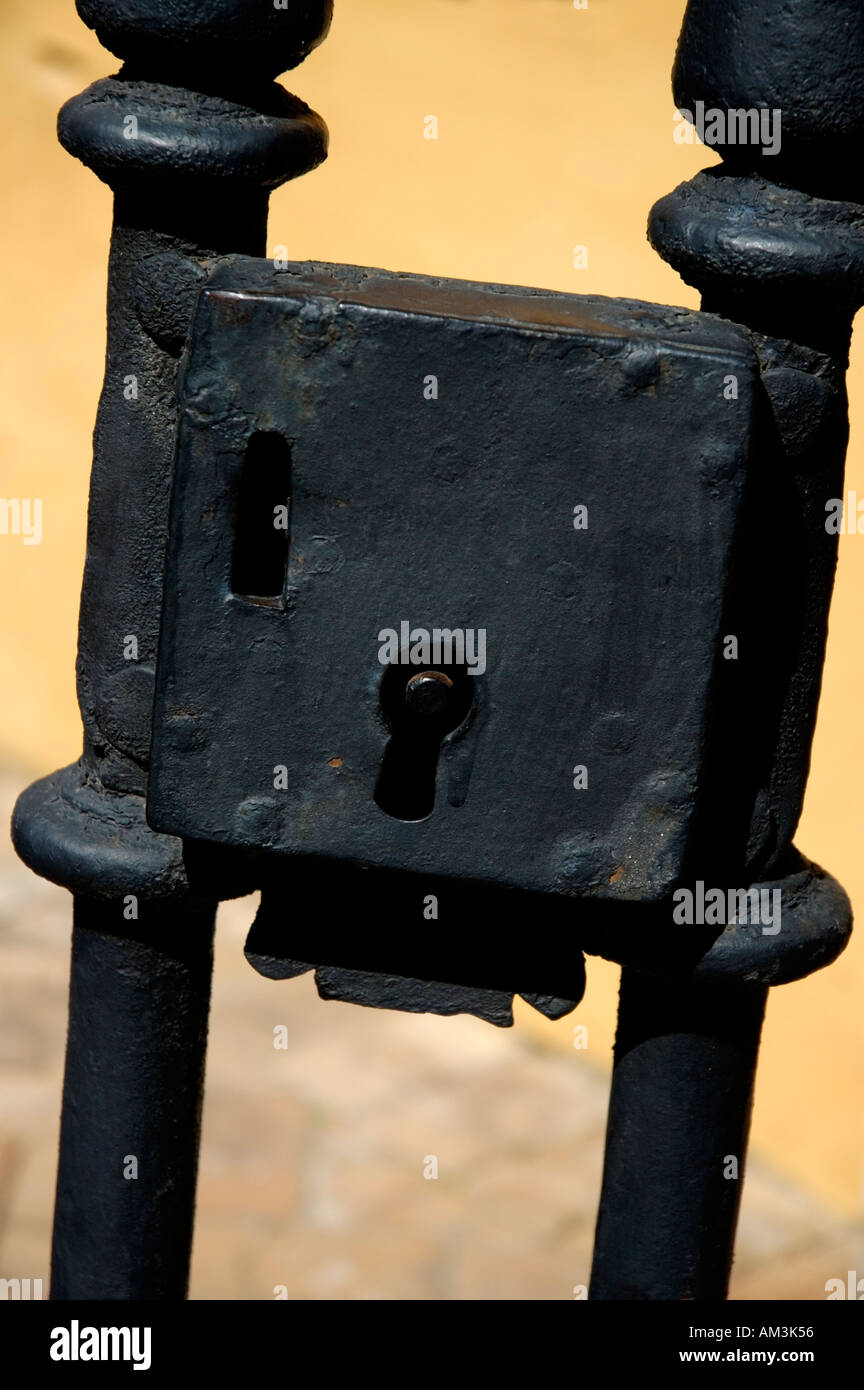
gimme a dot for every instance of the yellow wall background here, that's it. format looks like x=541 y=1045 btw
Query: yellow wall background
x=555 y=129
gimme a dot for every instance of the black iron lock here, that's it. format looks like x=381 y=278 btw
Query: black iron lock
x=532 y=498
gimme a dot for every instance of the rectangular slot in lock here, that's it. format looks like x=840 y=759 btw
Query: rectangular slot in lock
x=262 y=520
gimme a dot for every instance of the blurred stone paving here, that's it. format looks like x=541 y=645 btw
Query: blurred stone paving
x=312 y=1165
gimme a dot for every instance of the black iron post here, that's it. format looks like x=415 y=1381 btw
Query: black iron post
x=192 y=135
x=679 y=1117
x=773 y=241
x=131 y=1102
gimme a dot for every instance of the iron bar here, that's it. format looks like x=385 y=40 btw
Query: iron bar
x=679 y=1116
x=138 y=1005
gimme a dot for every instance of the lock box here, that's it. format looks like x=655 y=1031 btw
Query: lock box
x=446 y=581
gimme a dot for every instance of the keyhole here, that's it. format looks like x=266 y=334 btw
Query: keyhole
x=421 y=708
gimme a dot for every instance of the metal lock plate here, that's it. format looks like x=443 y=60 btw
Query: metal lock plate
x=556 y=478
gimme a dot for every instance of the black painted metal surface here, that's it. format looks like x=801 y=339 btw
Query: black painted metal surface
x=594 y=647
x=191 y=135
x=138 y=1008
x=679 y=1116
x=440 y=509
x=771 y=244
x=192 y=140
